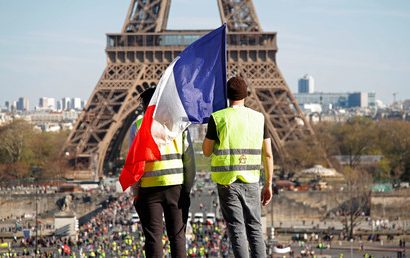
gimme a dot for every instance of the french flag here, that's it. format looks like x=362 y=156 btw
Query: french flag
x=191 y=88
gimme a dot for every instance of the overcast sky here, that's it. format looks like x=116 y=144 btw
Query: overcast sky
x=55 y=48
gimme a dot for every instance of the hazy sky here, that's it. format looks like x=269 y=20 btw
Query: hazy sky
x=55 y=48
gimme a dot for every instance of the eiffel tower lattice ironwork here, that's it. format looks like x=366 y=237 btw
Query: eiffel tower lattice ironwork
x=137 y=58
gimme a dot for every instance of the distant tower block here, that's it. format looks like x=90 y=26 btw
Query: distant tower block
x=138 y=56
x=306 y=84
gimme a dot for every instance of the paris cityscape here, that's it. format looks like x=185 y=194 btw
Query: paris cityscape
x=340 y=139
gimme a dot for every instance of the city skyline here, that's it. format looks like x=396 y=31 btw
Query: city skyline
x=56 y=48
x=23 y=103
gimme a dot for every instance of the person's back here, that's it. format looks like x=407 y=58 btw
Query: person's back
x=162 y=191
x=239 y=149
x=237 y=140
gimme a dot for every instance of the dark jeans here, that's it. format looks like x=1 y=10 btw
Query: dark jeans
x=174 y=202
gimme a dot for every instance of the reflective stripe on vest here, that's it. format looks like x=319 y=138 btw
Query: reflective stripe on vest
x=168 y=170
x=238 y=153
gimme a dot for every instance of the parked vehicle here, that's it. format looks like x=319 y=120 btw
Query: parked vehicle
x=210 y=218
x=135 y=218
x=198 y=217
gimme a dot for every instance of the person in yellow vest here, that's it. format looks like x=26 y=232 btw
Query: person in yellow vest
x=238 y=142
x=202 y=251
x=191 y=252
x=164 y=188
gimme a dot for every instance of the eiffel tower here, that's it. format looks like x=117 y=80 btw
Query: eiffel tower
x=139 y=55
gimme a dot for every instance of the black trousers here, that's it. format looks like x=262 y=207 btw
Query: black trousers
x=174 y=202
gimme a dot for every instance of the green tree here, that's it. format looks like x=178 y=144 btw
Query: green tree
x=22 y=148
x=394 y=141
x=355 y=138
x=14 y=140
x=47 y=156
x=13 y=149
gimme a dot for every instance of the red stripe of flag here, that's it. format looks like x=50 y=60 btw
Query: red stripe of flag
x=143 y=148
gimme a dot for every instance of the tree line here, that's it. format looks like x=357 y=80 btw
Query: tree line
x=355 y=138
x=24 y=151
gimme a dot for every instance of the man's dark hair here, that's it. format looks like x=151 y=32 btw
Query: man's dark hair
x=237 y=88
x=146 y=96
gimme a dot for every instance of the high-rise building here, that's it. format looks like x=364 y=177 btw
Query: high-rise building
x=19 y=104
x=42 y=102
x=52 y=103
x=66 y=103
x=359 y=99
x=13 y=106
x=59 y=105
x=23 y=104
x=371 y=98
x=306 y=84
x=47 y=103
x=83 y=103
x=7 y=105
x=76 y=103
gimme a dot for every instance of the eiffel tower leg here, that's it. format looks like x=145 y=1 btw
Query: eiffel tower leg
x=100 y=129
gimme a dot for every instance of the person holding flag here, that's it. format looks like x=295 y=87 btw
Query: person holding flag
x=161 y=158
x=161 y=191
x=238 y=140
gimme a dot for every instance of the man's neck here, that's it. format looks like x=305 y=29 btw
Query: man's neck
x=240 y=102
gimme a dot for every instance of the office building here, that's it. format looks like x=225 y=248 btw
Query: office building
x=13 y=106
x=47 y=103
x=66 y=103
x=306 y=84
x=23 y=104
x=59 y=105
x=359 y=99
x=338 y=100
x=335 y=100
x=76 y=103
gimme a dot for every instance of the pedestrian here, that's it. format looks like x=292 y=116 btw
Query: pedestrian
x=164 y=189
x=238 y=142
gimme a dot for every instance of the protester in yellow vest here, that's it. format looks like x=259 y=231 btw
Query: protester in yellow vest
x=164 y=189
x=238 y=142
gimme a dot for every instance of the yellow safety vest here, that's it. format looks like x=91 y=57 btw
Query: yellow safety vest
x=238 y=153
x=167 y=171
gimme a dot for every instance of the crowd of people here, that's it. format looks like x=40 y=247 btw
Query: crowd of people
x=112 y=234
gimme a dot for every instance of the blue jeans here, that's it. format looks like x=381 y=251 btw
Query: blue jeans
x=241 y=209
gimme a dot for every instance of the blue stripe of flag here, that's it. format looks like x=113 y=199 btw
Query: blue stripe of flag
x=200 y=76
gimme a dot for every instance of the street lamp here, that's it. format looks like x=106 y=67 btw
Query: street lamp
x=351 y=247
x=36 y=246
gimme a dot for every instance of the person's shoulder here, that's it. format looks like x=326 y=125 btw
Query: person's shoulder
x=218 y=112
x=254 y=112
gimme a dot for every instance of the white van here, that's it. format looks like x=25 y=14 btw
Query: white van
x=210 y=218
x=135 y=218
x=199 y=217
